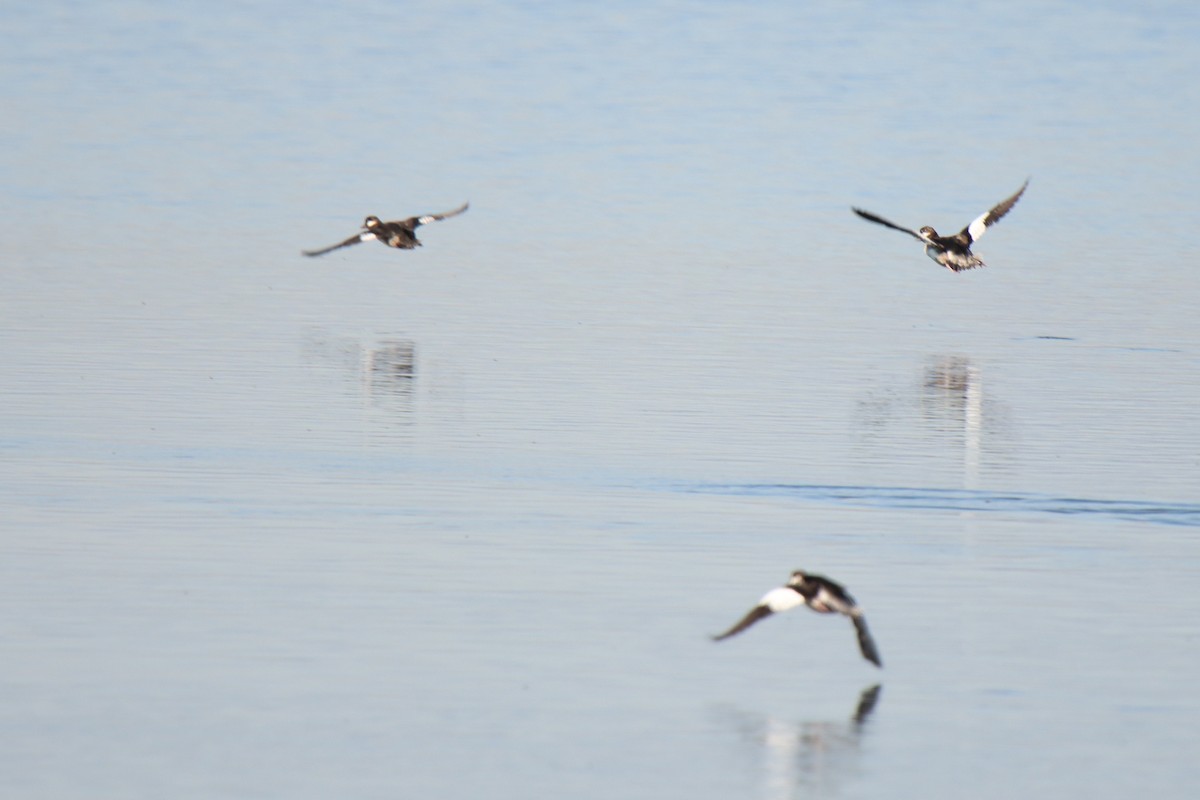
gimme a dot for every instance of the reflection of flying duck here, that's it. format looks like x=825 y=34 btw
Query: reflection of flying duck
x=953 y=252
x=808 y=757
x=866 y=704
x=400 y=234
x=821 y=595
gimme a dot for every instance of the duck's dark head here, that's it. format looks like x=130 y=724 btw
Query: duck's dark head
x=928 y=232
x=799 y=578
x=371 y=222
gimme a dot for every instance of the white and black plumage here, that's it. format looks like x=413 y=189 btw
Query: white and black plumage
x=953 y=252
x=401 y=234
x=821 y=595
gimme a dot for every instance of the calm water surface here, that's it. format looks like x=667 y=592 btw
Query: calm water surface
x=459 y=521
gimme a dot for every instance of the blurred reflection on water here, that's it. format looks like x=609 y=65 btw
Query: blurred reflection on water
x=810 y=757
x=384 y=371
x=953 y=399
x=961 y=428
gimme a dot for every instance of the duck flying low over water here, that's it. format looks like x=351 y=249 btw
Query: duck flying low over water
x=400 y=234
x=821 y=595
x=953 y=252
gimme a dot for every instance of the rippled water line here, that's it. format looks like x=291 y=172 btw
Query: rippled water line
x=1181 y=514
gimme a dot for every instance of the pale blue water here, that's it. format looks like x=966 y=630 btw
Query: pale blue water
x=458 y=521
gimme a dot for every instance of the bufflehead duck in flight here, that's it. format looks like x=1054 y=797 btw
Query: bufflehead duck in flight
x=821 y=595
x=953 y=252
x=401 y=234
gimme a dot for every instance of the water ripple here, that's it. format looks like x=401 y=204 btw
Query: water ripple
x=907 y=498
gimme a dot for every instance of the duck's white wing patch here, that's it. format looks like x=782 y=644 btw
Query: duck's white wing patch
x=978 y=226
x=782 y=599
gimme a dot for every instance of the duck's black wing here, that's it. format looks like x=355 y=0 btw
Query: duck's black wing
x=865 y=643
x=866 y=703
x=755 y=614
x=828 y=593
x=365 y=236
x=980 y=224
x=867 y=215
x=428 y=218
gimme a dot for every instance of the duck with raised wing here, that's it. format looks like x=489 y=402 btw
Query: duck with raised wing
x=400 y=234
x=821 y=595
x=953 y=252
